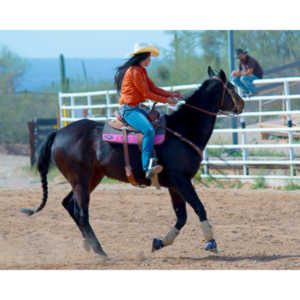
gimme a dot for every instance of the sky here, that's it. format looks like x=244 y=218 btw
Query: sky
x=79 y=43
x=109 y=29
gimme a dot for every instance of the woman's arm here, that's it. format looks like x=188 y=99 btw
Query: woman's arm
x=141 y=83
x=162 y=92
x=158 y=90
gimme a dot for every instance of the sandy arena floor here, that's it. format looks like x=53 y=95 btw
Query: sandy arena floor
x=254 y=230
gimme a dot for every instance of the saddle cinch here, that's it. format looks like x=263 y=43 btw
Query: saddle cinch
x=118 y=131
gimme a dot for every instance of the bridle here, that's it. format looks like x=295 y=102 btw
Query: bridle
x=236 y=106
x=220 y=112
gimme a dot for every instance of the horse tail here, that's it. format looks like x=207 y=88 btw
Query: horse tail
x=43 y=165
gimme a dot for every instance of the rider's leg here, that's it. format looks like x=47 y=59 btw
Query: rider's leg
x=137 y=118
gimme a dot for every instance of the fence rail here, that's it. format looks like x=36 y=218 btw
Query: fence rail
x=73 y=106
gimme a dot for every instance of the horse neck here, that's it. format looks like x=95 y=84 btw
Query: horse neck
x=195 y=125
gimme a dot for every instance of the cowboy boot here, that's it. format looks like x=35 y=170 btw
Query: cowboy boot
x=154 y=168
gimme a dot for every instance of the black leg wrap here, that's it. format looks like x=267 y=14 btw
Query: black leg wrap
x=157 y=244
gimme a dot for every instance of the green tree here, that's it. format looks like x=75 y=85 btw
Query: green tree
x=272 y=48
x=214 y=47
x=183 y=59
x=192 y=51
x=12 y=68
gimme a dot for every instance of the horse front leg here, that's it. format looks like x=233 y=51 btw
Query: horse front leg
x=179 y=206
x=187 y=191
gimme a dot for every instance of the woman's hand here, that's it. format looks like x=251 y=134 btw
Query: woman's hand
x=172 y=101
x=177 y=95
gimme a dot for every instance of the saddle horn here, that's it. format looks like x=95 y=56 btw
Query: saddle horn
x=153 y=114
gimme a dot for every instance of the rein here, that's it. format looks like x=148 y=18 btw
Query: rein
x=182 y=138
x=225 y=88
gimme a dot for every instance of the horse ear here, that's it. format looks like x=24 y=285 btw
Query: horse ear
x=222 y=75
x=210 y=72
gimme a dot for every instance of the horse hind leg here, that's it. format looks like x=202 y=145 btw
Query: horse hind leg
x=179 y=206
x=82 y=197
x=77 y=203
x=72 y=208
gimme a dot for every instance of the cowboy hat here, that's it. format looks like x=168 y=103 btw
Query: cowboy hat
x=143 y=47
x=240 y=52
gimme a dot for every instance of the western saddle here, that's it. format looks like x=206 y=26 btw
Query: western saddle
x=118 y=131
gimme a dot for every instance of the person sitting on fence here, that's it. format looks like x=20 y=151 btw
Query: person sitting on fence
x=131 y=79
x=248 y=70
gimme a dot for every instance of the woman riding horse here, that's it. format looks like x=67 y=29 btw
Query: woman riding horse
x=136 y=87
x=84 y=158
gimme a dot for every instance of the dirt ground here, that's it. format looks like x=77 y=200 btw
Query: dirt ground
x=254 y=229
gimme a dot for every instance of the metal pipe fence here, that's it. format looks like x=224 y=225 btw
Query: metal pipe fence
x=100 y=105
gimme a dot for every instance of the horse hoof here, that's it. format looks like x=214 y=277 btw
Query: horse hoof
x=103 y=256
x=28 y=212
x=101 y=253
x=156 y=244
x=86 y=245
x=211 y=245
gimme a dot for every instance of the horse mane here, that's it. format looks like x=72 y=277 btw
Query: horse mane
x=193 y=98
x=197 y=93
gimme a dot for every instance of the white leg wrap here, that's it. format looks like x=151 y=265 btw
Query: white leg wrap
x=207 y=230
x=170 y=237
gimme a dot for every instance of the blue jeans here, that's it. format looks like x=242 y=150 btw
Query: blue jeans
x=137 y=118
x=245 y=83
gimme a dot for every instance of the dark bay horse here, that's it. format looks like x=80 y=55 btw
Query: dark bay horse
x=84 y=159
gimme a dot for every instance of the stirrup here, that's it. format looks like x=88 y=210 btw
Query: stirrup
x=153 y=171
x=153 y=168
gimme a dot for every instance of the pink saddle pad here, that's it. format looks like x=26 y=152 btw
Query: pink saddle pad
x=113 y=135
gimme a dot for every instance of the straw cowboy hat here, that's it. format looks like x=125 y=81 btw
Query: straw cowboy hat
x=143 y=47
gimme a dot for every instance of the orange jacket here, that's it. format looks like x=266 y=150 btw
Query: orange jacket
x=137 y=87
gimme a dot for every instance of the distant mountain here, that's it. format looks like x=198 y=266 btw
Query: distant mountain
x=42 y=72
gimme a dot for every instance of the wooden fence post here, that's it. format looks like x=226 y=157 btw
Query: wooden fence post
x=31 y=129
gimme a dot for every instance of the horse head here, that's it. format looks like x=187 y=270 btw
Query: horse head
x=230 y=100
